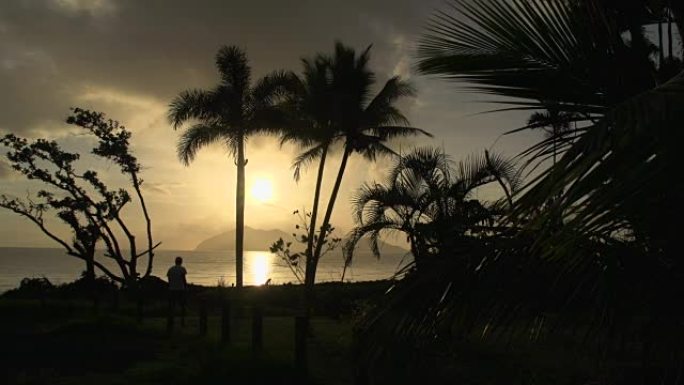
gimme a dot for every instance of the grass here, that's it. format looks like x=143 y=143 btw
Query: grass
x=64 y=342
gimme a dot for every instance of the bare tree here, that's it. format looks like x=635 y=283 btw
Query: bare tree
x=90 y=208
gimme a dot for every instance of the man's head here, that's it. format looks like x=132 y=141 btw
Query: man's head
x=179 y=261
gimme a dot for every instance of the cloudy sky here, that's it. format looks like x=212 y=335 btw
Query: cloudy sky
x=129 y=58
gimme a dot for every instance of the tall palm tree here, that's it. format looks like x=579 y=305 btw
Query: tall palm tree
x=311 y=128
x=336 y=103
x=229 y=114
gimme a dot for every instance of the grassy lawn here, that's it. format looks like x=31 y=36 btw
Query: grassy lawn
x=64 y=342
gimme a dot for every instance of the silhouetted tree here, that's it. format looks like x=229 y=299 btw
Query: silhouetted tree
x=605 y=272
x=432 y=203
x=229 y=114
x=333 y=106
x=90 y=208
x=288 y=253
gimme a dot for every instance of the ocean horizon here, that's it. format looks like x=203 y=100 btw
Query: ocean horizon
x=207 y=268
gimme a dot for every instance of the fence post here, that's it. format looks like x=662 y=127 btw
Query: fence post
x=301 y=331
x=203 y=318
x=257 y=328
x=225 y=322
x=170 y=315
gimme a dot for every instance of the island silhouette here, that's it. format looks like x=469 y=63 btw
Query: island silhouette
x=258 y=239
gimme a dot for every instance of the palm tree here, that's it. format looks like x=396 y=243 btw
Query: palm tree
x=431 y=202
x=229 y=114
x=555 y=124
x=311 y=128
x=336 y=107
x=605 y=271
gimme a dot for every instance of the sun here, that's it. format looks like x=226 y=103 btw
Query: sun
x=262 y=190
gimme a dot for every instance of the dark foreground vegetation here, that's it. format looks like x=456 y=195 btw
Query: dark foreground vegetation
x=64 y=334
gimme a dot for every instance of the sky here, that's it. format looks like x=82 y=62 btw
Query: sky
x=129 y=58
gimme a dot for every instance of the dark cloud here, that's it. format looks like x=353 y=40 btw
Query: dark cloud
x=53 y=50
x=129 y=58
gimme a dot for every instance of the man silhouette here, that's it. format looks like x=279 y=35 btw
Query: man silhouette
x=177 y=285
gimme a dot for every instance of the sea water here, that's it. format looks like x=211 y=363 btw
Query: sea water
x=208 y=268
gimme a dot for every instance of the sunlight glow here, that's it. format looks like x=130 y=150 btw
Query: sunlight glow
x=260 y=267
x=262 y=190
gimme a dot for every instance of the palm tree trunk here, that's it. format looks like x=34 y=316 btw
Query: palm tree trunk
x=328 y=214
x=310 y=270
x=240 y=211
x=661 y=48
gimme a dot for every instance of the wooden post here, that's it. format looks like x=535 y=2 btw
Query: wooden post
x=301 y=331
x=170 y=317
x=225 y=323
x=257 y=329
x=203 y=318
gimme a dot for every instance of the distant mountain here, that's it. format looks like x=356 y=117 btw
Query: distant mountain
x=256 y=239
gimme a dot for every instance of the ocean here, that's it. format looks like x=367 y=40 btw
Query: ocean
x=207 y=268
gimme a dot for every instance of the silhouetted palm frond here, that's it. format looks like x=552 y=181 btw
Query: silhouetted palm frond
x=197 y=137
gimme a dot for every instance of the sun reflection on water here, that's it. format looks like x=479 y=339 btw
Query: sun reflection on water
x=260 y=267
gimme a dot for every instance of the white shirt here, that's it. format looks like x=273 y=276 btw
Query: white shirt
x=176 y=276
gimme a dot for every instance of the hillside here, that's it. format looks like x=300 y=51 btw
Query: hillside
x=257 y=239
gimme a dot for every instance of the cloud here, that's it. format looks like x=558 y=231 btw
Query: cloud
x=129 y=58
x=161 y=188
x=93 y=7
x=6 y=172
x=54 y=51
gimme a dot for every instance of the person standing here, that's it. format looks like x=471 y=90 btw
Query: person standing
x=177 y=286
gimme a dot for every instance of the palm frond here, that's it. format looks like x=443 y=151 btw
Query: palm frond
x=193 y=104
x=605 y=177
x=306 y=158
x=276 y=86
x=231 y=62
x=382 y=105
x=197 y=137
x=392 y=132
x=538 y=51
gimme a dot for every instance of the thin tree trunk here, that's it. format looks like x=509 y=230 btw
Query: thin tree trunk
x=310 y=270
x=90 y=269
x=148 y=225
x=669 y=34
x=240 y=212
x=328 y=214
